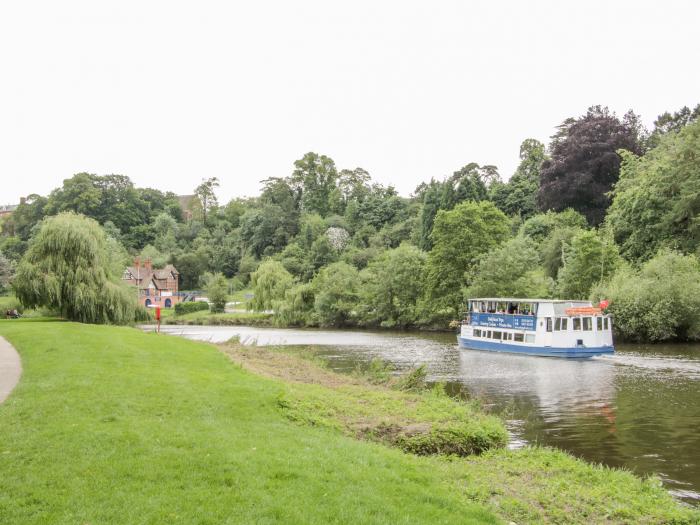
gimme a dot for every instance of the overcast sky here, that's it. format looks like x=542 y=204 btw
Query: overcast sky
x=171 y=92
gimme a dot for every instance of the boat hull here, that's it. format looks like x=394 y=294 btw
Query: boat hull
x=544 y=351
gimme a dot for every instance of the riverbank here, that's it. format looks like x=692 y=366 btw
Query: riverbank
x=533 y=484
x=113 y=425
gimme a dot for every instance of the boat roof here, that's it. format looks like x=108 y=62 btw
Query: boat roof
x=522 y=300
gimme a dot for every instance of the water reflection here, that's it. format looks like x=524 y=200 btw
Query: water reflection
x=637 y=409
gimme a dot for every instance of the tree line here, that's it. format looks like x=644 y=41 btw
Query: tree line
x=606 y=209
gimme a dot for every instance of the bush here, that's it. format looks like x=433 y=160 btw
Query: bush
x=189 y=307
x=659 y=302
x=216 y=293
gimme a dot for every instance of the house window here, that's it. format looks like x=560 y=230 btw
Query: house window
x=577 y=323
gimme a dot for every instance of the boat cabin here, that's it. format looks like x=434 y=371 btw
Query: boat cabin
x=511 y=324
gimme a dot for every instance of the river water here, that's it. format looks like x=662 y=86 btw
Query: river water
x=638 y=409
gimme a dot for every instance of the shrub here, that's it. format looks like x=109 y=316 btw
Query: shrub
x=216 y=293
x=189 y=307
x=658 y=302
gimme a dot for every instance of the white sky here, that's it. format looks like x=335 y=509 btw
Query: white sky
x=171 y=92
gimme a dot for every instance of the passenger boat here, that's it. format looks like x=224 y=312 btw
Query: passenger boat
x=544 y=327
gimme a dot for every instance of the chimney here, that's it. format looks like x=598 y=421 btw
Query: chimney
x=148 y=264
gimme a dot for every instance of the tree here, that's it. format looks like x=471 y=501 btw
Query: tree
x=336 y=295
x=656 y=203
x=589 y=259
x=584 y=162
x=30 y=212
x=7 y=271
x=103 y=198
x=217 y=289
x=391 y=287
x=207 y=197
x=314 y=180
x=511 y=270
x=67 y=269
x=519 y=195
x=459 y=237
x=658 y=302
x=191 y=267
x=672 y=123
x=270 y=282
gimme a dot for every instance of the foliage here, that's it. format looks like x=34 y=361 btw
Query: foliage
x=511 y=270
x=336 y=295
x=190 y=306
x=217 y=289
x=584 y=162
x=313 y=181
x=207 y=197
x=269 y=282
x=7 y=271
x=391 y=287
x=589 y=259
x=656 y=203
x=459 y=237
x=658 y=302
x=519 y=195
x=296 y=309
x=67 y=269
x=539 y=227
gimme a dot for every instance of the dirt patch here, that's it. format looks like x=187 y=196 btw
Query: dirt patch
x=286 y=367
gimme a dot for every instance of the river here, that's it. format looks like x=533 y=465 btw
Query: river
x=638 y=409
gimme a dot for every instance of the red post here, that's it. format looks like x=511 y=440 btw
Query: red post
x=158 y=318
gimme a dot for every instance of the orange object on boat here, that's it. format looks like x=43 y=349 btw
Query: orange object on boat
x=583 y=310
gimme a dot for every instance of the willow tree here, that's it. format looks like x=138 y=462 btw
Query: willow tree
x=67 y=269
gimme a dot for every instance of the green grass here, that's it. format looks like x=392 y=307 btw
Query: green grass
x=112 y=425
x=240 y=297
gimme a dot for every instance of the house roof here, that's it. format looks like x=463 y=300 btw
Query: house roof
x=144 y=276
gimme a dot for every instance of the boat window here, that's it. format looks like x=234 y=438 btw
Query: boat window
x=496 y=335
x=489 y=336
x=577 y=323
x=548 y=320
x=587 y=324
x=518 y=338
x=557 y=324
x=606 y=323
x=564 y=324
x=599 y=323
x=477 y=333
x=529 y=338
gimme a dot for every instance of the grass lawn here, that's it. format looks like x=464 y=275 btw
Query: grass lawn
x=112 y=425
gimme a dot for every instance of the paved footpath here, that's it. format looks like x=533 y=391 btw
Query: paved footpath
x=10 y=368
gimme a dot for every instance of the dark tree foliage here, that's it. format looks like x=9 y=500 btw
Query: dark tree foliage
x=313 y=181
x=584 y=163
x=26 y=216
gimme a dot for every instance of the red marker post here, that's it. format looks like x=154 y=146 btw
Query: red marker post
x=158 y=319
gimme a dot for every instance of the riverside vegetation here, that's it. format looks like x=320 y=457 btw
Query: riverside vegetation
x=607 y=210
x=113 y=425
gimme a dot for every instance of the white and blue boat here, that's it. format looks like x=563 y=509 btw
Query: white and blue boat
x=544 y=327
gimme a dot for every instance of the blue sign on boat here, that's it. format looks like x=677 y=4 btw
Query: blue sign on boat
x=518 y=322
